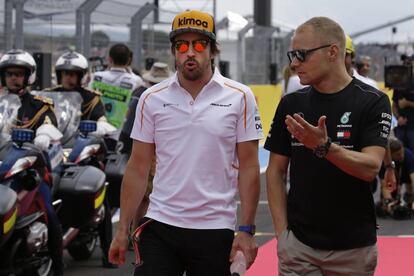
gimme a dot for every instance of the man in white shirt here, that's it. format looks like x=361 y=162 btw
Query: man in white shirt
x=363 y=65
x=204 y=130
x=116 y=84
x=349 y=63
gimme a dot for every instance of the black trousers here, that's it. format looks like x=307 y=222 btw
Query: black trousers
x=169 y=251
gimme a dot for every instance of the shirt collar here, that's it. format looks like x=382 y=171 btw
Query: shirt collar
x=119 y=69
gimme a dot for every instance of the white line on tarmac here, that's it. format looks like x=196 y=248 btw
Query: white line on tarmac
x=265 y=234
x=261 y=202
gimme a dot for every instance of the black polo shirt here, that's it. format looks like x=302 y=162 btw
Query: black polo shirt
x=328 y=208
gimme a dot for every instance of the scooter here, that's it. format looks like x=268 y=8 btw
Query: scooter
x=80 y=192
x=23 y=221
x=83 y=159
x=83 y=147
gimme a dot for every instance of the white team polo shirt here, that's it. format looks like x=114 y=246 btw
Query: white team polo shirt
x=118 y=77
x=195 y=140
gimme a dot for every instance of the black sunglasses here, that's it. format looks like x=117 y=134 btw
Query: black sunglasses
x=302 y=53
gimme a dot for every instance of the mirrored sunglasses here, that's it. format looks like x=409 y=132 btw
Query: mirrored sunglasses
x=199 y=45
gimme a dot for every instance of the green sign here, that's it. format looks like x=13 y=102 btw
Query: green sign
x=115 y=100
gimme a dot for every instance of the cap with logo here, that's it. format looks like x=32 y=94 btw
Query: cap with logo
x=193 y=21
x=349 y=46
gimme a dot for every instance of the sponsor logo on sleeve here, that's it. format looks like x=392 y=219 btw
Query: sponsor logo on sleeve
x=386 y=125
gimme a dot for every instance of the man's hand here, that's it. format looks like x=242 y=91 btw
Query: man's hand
x=402 y=103
x=402 y=121
x=118 y=248
x=309 y=135
x=390 y=179
x=246 y=243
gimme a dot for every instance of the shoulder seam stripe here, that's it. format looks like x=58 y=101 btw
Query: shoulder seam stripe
x=245 y=102
x=143 y=104
x=366 y=90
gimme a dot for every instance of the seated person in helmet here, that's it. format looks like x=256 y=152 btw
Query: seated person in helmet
x=18 y=72
x=71 y=69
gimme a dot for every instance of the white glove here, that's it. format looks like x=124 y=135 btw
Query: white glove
x=45 y=134
x=42 y=141
x=103 y=128
x=49 y=130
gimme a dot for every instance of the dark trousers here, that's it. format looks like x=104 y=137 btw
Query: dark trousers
x=169 y=251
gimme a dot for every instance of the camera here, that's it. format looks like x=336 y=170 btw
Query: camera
x=400 y=76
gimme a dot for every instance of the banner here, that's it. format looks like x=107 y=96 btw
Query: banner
x=115 y=100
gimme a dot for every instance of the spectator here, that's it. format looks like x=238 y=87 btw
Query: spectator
x=403 y=163
x=363 y=65
x=350 y=62
x=403 y=109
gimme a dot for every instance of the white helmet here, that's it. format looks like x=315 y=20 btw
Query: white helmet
x=71 y=61
x=18 y=58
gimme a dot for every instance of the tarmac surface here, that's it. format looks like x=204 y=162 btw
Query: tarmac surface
x=265 y=232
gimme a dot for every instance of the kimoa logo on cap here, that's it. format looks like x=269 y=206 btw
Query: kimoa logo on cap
x=192 y=21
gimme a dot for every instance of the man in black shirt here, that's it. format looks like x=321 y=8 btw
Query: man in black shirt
x=334 y=134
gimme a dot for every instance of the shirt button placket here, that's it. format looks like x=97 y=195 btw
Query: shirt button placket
x=192 y=110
